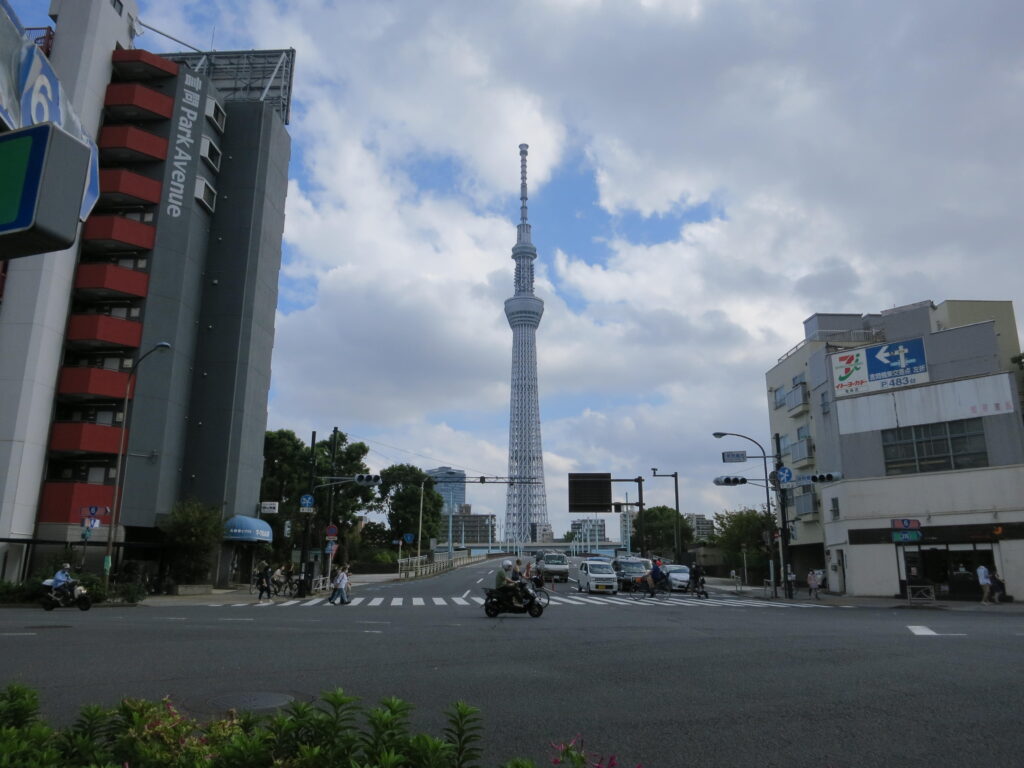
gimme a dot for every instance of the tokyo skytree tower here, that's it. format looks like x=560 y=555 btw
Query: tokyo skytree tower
x=526 y=502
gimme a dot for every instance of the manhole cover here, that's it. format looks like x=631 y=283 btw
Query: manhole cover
x=251 y=702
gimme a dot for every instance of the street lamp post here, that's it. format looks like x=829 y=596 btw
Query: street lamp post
x=122 y=461
x=419 y=533
x=675 y=524
x=768 y=501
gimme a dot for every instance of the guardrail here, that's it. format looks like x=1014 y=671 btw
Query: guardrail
x=417 y=567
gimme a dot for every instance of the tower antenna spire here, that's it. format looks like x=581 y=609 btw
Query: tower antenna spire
x=524 y=225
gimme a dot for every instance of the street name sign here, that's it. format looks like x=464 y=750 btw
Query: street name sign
x=734 y=457
x=906 y=537
x=268 y=507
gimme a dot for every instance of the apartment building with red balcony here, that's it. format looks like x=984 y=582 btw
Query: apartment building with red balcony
x=193 y=152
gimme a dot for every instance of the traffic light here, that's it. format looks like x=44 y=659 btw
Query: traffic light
x=367 y=479
x=730 y=480
x=827 y=477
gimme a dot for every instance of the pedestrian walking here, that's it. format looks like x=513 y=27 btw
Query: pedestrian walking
x=263 y=580
x=338 y=588
x=985 y=580
x=812 y=584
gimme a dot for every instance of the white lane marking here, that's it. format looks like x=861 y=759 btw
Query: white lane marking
x=314 y=601
x=480 y=580
x=375 y=602
x=465 y=594
x=845 y=606
x=592 y=600
x=17 y=634
x=233 y=619
x=172 y=618
x=417 y=601
x=439 y=601
x=477 y=600
x=290 y=602
x=918 y=630
x=561 y=601
x=459 y=601
x=397 y=601
x=570 y=601
x=356 y=600
x=372 y=632
x=239 y=605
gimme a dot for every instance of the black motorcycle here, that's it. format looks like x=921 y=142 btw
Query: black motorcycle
x=500 y=601
x=72 y=594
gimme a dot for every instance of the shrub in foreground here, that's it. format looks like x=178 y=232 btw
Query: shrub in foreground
x=335 y=732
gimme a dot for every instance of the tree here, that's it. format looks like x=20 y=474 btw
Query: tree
x=746 y=528
x=400 y=500
x=192 y=531
x=660 y=525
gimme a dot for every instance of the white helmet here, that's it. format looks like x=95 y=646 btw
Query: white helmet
x=507 y=565
x=66 y=567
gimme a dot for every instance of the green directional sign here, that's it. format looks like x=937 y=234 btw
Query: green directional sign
x=906 y=537
x=41 y=171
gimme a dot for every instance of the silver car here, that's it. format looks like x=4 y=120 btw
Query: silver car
x=678 y=576
x=596 y=576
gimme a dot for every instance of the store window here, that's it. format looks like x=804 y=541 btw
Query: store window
x=935 y=447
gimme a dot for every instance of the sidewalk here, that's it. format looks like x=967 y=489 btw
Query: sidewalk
x=722 y=586
x=241 y=594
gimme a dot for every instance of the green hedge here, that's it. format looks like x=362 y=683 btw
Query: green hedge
x=334 y=732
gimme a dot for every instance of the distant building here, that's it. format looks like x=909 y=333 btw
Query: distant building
x=471 y=529
x=451 y=484
x=912 y=414
x=703 y=529
x=542 y=533
x=588 y=529
x=627 y=524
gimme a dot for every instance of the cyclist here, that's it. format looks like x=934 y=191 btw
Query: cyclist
x=654 y=576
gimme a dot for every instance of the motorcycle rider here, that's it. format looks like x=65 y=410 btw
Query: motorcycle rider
x=62 y=582
x=504 y=584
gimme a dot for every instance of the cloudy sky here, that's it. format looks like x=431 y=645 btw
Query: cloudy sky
x=703 y=176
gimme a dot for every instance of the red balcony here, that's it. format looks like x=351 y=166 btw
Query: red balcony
x=85 y=437
x=116 y=233
x=64 y=502
x=131 y=101
x=141 y=65
x=89 y=383
x=103 y=281
x=85 y=331
x=119 y=187
x=128 y=144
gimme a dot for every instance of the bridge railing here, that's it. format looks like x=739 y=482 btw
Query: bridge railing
x=417 y=567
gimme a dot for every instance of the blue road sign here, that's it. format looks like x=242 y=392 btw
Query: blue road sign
x=895 y=361
x=306 y=500
x=785 y=474
x=409 y=538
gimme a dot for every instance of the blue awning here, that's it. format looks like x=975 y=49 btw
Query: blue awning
x=244 y=528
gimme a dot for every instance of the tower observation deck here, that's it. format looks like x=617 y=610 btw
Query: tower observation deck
x=526 y=506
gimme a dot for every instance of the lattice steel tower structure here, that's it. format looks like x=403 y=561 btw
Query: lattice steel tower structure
x=526 y=505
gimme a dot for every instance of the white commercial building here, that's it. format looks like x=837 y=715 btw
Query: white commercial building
x=903 y=447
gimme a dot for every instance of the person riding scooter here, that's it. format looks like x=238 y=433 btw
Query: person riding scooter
x=62 y=581
x=507 y=588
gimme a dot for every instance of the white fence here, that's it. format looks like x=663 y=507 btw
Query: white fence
x=424 y=565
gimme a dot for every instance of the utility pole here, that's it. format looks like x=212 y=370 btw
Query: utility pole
x=305 y=569
x=780 y=499
x=640 y=515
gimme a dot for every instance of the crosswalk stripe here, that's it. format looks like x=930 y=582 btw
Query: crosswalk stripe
x=375 y=602
x=314 y=601
x=356 y=600
x=439 y=601
x=417 y=601
x=239 y=605
x=261 y=604
x=459 y=601
x=290 y=602
x=477 y=600
x=396 y=601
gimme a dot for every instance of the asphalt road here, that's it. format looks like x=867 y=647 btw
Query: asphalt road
x=722 y=682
